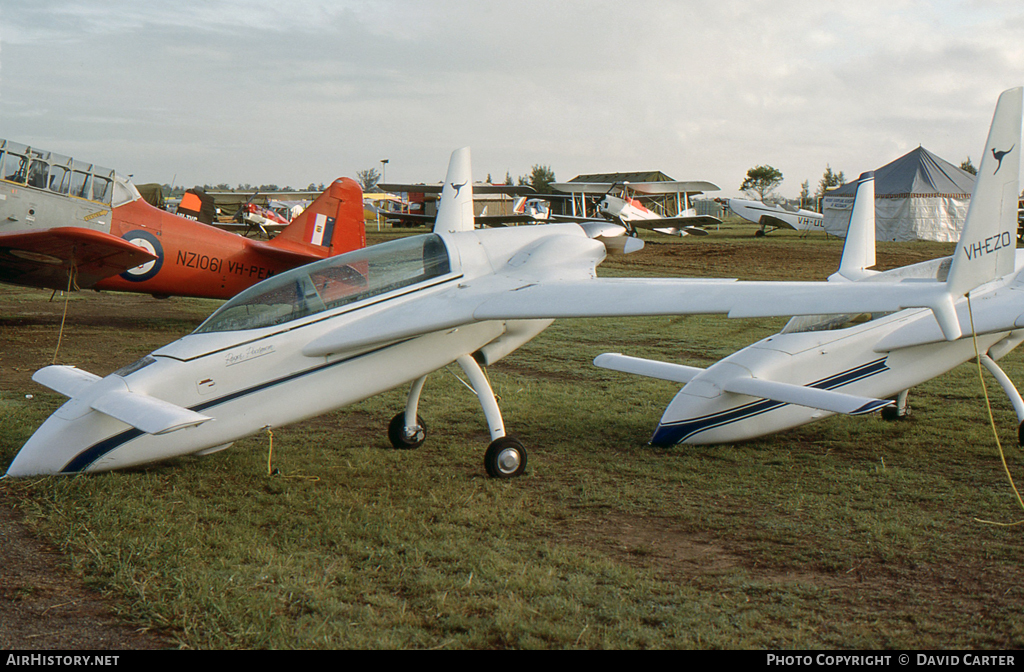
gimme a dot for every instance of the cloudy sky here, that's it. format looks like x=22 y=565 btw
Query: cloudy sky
x=298 y=91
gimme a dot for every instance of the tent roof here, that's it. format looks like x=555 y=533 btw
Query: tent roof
x=917 y=173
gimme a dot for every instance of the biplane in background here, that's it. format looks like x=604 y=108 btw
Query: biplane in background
x=627 y=203
x=249 y=218
x=772 y=217
x=66 y=224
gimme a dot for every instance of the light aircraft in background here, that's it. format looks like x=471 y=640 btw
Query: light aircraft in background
x=337 y=331
x=850 y=361
x=66 y=224
x=538 y=209
x=482 y=220
x=264 y=219
x=772 y=217
x=625 y=206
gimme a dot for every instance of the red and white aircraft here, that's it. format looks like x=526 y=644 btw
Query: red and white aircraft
x=627 y=208
x=66 y=224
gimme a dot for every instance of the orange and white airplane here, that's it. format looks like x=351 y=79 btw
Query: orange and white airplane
x=627 y=209
x=66 y=224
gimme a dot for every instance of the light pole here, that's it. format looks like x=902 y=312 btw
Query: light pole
x=383 y=172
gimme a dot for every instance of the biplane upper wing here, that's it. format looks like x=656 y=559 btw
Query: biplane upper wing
x=645 y=188
x=44 y=258
x=674 y=187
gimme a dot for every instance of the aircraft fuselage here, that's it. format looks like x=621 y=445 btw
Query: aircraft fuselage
x=246 y=377
x=67 y=224
x=876 y=358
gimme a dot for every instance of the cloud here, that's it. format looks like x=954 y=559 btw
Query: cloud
x=253 y=92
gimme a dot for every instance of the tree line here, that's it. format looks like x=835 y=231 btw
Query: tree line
x=539 y=179
x=762 y=181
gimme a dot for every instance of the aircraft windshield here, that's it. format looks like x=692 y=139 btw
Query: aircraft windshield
x=333 y=282
x=803 y=323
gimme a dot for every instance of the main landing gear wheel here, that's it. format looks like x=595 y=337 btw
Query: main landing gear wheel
x=1020 y=434
x=505 y=458
x=400 y=439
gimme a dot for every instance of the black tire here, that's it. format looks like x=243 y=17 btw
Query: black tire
x=396 y=433
x=1020 y=434
x=505 y=458
x=759 y=233
x=890 y=413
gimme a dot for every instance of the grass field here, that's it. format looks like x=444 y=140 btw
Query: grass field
x=846 y=533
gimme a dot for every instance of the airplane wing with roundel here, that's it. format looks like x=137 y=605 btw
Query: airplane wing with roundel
x=43 y=258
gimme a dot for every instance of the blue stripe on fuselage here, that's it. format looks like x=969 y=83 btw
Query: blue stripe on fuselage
x=85 y=458
x=676 y=432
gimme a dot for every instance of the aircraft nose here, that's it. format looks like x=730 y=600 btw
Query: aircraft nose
x=686 y=416
x=697 y=420
x=62 y=445
x=35 y=459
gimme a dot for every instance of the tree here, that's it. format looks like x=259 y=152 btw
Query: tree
x=968 y=166
x=541 y=178
x=829 y=180
x=762 y=180
x=805 y=193
x=368 y=179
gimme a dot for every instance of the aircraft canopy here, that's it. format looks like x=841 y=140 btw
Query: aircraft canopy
x=333 y=282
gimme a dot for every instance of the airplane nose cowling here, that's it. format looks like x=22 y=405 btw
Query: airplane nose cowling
x=691 y=419
x=69 y=446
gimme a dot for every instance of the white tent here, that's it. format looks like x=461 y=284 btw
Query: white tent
x=917 y=197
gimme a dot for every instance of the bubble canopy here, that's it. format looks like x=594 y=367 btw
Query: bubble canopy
x=333 y=282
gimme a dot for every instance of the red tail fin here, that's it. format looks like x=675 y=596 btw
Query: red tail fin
x=332 y=224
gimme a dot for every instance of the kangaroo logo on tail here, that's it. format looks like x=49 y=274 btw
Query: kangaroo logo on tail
x=999 y=157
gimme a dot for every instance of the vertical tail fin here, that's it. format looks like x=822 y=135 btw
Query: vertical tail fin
x=987 y=246
x=455 y=211
x=332 y=224
x=859 y=248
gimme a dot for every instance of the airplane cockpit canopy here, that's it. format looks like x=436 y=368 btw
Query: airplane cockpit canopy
x=58 y=174
x=334 y=282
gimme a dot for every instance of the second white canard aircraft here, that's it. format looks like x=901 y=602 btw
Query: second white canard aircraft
x=843 y=362
x=334 y=332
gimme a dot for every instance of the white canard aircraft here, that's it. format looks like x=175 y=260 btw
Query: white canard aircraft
x=843 y=363
x=772 y=217
x=319 y=337
x=627 y=209
x=307 y=342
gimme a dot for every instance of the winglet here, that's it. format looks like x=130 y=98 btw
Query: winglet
x=455 y=210
x=859 y=248
x=987 y=246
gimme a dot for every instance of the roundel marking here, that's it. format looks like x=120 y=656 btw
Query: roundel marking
x=148 y=242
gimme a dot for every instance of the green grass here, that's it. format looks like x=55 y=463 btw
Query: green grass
x=846 y=533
